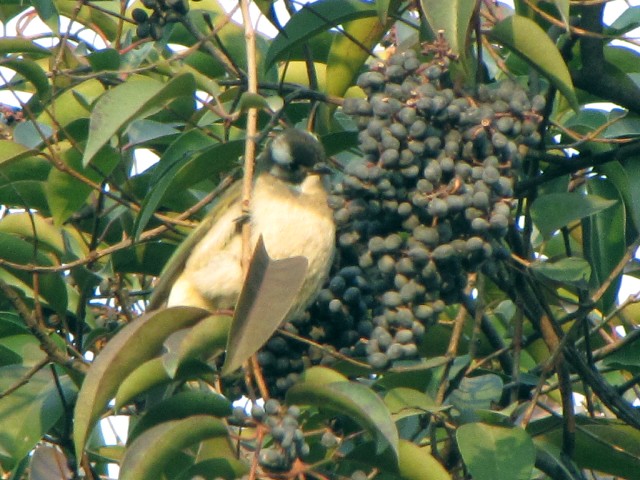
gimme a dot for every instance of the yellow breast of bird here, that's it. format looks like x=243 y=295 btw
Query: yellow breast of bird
x=292 y=221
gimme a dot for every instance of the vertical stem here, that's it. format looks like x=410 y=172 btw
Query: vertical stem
x=252 y=120
x=249 y=163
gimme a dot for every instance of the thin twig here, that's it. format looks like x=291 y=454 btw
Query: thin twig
x=25 y=378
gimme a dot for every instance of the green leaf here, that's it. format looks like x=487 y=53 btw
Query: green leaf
x=51 y=286
x=35 y=228
x=203 y=340
x=187 y=161
x=524 y=37
x=321 y=376
x=146 y=376
x=491 y=452
x=626 y=178
x=65 y=193
x=267 y=295
x=355 y=400
x=453 y=18
x=346 y=57
x=48 y=13
x=572 y=270
x=252 y=100
x=21 y=45
x=314 y=18
x=405 y=402
x=417 y=463
x=29 y=412
x=604 y=242
x=226 y=468
x=553 y=211
x=628 y=20
x=134 y=344
x=142 y=131
x=105 y=59
x=145 y=258
x=182 y=405
x=476 y=392
x=627 y=357
x=138 y=97
x=32 y=72
x=152 y=451
x=605 y=445
x=12 y=152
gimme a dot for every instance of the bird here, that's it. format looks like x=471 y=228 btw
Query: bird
x=288 y=208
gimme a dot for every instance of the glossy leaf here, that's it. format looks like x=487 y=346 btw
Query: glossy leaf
x=152 y=451
x=66 y=193
x=321 y=376
x=571 y=270
x=31 y=71
x=267 y=295
x=346 y=57
x=476 y=392
x=134 y=344
x=629 y=19
x=627 y=357
x=314 y=18
x=604 y=239
x=548 y=217
x=105 y=59
x=225 y=468
x=527 y=39
x=417 y=463
x=48 y=13
x=403 y=402
x=355 y=400
x=146 y=376
x=30 y=412
x=35 y=228
x=193 y=157
x=22 y=45
x=145 y=258
x=205 y=339
x=602 y=444
x=626 y=178
x=491 y=452
x=51 y=286
x=12 y=152
x=453 y=18
x=134 y=99
x=182 y=405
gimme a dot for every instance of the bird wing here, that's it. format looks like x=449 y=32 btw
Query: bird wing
x=176 y=263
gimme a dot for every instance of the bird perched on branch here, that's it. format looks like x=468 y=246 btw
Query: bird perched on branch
x=288 y=208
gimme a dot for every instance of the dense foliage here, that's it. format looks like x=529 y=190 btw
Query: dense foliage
x=487 y=211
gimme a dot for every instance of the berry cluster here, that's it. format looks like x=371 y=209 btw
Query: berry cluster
x=428 y=202
x=287 y=439
x=163 y=12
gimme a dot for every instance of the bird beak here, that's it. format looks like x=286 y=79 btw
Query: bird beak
x=320 y=168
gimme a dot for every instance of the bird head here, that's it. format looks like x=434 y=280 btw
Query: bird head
x=294 y=154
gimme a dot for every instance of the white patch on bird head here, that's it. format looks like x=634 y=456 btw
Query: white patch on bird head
x=281 y=151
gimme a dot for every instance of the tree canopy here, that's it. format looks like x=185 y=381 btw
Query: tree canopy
x=486 y=207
